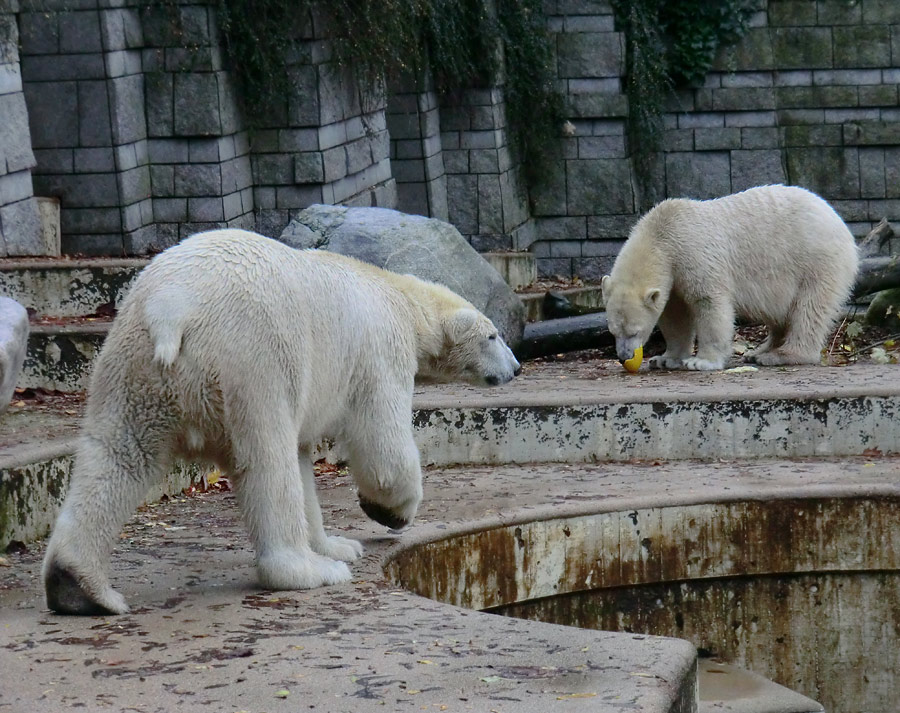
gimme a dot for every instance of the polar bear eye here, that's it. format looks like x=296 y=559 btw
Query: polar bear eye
x=492 y=337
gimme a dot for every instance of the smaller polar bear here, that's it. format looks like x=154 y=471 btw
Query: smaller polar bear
x=776 y=255
x=235 y=349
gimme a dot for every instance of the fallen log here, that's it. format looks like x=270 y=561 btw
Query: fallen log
x=568 y=334
x=876 y=274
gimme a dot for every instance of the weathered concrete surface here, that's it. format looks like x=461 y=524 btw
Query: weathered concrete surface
x=60 y=356
x=203 y=637
x=68 y=288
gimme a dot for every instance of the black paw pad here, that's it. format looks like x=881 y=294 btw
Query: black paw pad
x=65 y=595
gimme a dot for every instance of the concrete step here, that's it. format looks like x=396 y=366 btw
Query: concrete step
x=518 y=269
x=60 y=356
x=588 y=297
x=68 y=287
x=728 y=689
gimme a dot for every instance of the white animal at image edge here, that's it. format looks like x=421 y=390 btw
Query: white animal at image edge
x=235 y=349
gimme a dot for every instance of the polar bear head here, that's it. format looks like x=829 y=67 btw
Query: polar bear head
x=632 y=311
x=471 y=350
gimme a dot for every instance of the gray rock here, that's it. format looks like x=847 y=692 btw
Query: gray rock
x=427 y=248
x=13 y=344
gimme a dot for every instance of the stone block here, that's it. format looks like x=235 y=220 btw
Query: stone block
x=554 y=267
x=55 y=103
x=413 y=198
x=839 y=12
x=515 y=201
x=359 y=155
x=162 y=180
x=862 y=46
x=743 y=98
x=232 y=206
x=881 y=95
x=859 y=77
x=680 y=139
x=94 y=117
x=792 y=13
x=20 y=226
x=788 y=117
x=127 y=109
x=591 y=54
x=871 y=173
x=812 y=135
x=303 y=100
x=289 y=140
x=548 y=196
x=15 y=141
x=697 y=175
x=597 y=105
x=462 y=202
x=159 y=106
x=601 y=248
x=296 y=197
x=756 y=168
x=821 y=96
x=606 y=227
x=881 y=12
x=338 y=98
x=754 y=52
x=237 y=174
x=554 y=229
x=198 y=180
x=830 y=171
x=760 y=138
x=273 y=169
x=134 y=184
x=871 y=133
x=601 y=147
x=592 y=269
x=15 y=187
x=91 y=220
x=196 y=104
x=746 y=79
x=39 y=32
x=308 y=167
x=205 y=150
x=332 y=135
x=62 y=67
x=334 y=163
x=409 y=171
x=484 y=161
x=802 y=47
x=121 y=29
x=700 y=120
x=170 y=210
x=565 y=248
x=94 y=160
x=407 y=148
x=793 y=78
x=54 y=161
x=717 y=139
x=205 y=209
x=599 y=186
x=490 y=204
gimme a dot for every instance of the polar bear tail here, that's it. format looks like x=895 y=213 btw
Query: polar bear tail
x=166 y=314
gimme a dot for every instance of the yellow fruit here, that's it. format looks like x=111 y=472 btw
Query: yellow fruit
x=634 y=363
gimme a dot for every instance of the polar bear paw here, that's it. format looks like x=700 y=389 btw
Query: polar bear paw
x=698 y=364
x=665 y=362
x=66 y=594
x=300 y=569
x=339 y=548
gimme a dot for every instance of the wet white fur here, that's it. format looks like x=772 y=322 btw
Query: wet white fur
x=775 y=255
x=235 y=349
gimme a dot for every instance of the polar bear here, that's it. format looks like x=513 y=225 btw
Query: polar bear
x=776 y=255
x=235 y=349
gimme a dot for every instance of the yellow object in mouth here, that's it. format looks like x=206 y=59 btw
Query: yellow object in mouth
x=634 y=363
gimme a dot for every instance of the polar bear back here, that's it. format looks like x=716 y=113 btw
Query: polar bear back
x=742 y=243
x=230 y=310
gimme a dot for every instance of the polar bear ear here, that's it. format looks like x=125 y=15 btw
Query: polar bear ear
x=459 y=323
x=651 y=296
x=604 y=285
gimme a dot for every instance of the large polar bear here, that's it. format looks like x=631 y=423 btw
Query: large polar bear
x=776 y=255
x=236 y=349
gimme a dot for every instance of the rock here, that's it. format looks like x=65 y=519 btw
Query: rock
x=13 y=344
x=427 y=248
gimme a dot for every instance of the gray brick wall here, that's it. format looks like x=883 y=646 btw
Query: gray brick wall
x=808 y=97
x=20 y=227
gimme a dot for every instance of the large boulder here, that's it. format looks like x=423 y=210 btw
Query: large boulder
x=13 y=345
x=412 y=244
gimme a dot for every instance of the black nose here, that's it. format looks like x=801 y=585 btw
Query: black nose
x=491 y=380
x=517 y=371
x=382 y=515
x=622 y=361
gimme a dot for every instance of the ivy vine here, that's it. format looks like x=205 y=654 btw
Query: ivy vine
x=462 y=43
x=668 y=44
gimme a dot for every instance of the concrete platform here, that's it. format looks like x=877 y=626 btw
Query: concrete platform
x=203 y=637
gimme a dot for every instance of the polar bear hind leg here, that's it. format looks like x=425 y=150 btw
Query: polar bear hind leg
x=809 y=322
x=715 y=333
x=110 y=479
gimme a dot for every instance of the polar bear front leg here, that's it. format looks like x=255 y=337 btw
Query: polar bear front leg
x=339 y=548
x=677 y=327
x=715 y=334
x=270 y=492
x=384 y=460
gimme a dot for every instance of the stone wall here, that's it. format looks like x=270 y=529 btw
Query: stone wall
x=137 y=127
x=20 y=225
x=809 y=97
